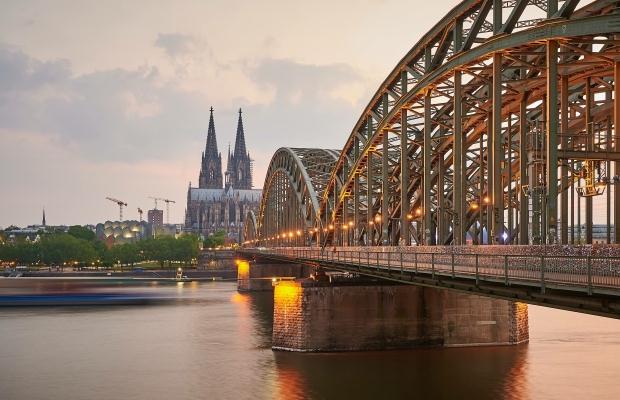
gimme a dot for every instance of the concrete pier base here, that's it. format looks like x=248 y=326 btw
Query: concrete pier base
x=314 y=317
x=253 y=276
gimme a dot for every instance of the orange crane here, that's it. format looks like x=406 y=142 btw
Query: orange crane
x=167 y=201
x=140 y=212
x=120 y=204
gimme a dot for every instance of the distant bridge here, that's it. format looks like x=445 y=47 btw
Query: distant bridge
x=497 y=128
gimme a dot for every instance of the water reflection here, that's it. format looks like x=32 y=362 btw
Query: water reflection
x=256 y=309
x=481 y=373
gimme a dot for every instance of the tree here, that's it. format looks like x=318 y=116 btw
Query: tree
x=58 y=249
x=216 y=239
x=27 y=253
x=81 y=232
x=185 y=249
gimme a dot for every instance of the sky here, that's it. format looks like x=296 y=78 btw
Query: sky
x=111 y=98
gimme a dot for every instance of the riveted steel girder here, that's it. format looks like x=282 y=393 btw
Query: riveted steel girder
x=500 y=109
x=289 y=209
x=462 y=141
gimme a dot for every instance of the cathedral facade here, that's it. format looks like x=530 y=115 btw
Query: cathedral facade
x=222 y=204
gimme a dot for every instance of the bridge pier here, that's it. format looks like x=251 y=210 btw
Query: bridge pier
x=312 y=316
x=258 y=276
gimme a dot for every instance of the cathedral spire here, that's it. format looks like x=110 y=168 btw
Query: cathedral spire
x=211 y=164
x=211 y=147
x=240 y=139
x=240 y=165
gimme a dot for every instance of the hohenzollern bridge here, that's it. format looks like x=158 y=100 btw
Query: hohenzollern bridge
x=487 y=162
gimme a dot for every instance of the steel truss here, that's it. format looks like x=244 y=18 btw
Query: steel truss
x=289 y=209
x=498 y=126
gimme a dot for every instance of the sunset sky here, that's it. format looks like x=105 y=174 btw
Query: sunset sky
x=111 y=98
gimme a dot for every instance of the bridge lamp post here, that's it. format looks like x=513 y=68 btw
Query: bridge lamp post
x=417 y=217
x=345 y=233
x=329 y=229
x=369 y=236
x=408 y=220
x=488 y=204
x=351 y=233
x=378 y=223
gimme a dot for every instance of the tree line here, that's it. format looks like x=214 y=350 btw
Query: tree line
x=79 y=247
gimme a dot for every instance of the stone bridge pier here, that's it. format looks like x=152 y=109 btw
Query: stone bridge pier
x=260 y=275
x=321 y=316
x=357 y=313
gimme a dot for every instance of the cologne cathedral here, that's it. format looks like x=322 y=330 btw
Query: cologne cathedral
x=221 y=201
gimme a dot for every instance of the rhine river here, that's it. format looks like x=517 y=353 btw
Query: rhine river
x=214 y=343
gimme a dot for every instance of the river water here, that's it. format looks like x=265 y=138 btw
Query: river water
x=214 y=343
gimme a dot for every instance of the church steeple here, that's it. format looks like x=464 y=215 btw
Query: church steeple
x=211 y=147
x=240 y=138
x=211 y=164
x=239 y=169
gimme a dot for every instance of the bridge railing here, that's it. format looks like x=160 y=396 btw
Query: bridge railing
x=571 y=272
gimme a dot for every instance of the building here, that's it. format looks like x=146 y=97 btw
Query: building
x=599 y=234
x=119 y=232
x=155 y=217
x=222 y=206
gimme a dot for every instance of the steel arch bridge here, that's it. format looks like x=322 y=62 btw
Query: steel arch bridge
x=497 y=127
x=289 y=208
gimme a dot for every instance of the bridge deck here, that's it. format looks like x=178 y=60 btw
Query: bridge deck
x=588 y=283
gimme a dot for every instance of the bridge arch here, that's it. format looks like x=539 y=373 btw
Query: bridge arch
x=250 y=231
x=498 y=117
x=289 y=209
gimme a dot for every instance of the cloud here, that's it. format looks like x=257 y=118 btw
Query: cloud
x=177 y=44
x=293 y=80
x=19 y=72
x=103 y=131
x=106 y=115
x=123 y=114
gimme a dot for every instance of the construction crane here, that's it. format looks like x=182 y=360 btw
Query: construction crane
x=140 y=212
x=155 y=199
x=167 y=201
x=120 y=204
